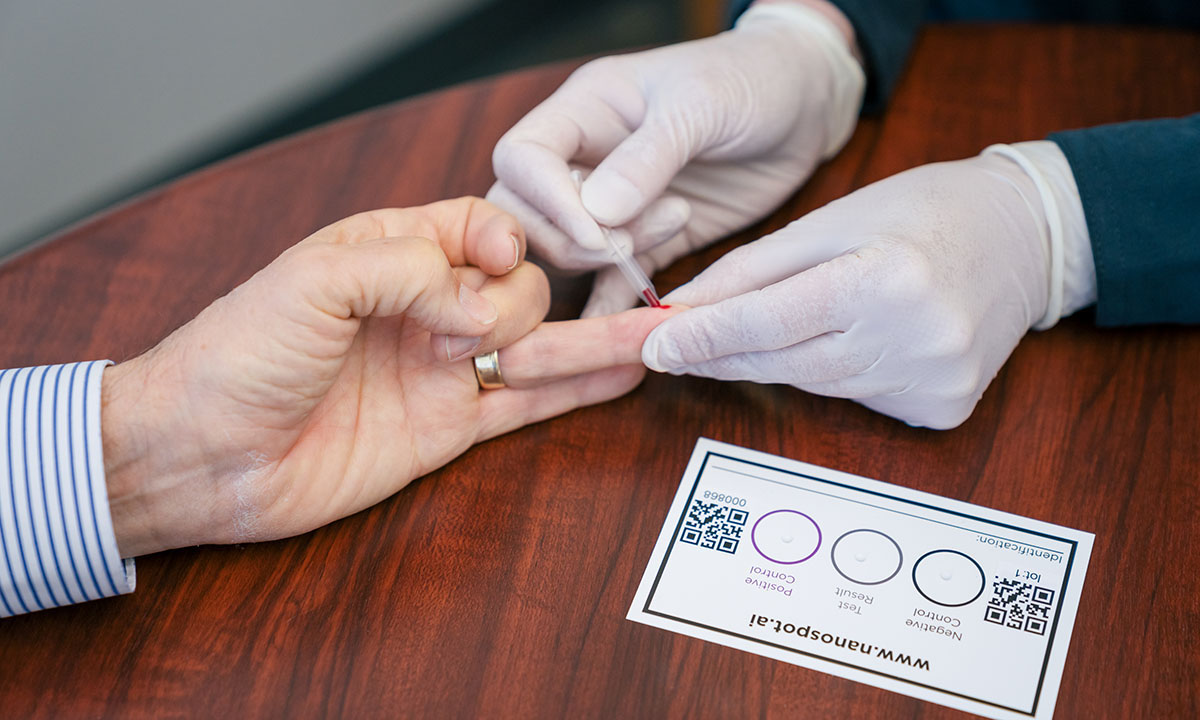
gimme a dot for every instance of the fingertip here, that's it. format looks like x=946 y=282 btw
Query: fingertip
x=659 y=352
x=652 y=351
x=633 y=328
x=500 y=245
x=610 y=198
x=675 y=211
x=665 y=311
x=517 y=250
x=450 y=348
x=523 y=299
x=587 y=234
x=499 y=195
x=479 y=308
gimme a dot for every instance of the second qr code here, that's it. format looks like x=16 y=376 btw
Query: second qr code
x=1019 y=605
x=714 y=526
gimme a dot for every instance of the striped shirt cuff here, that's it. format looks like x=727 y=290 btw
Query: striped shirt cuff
x=57 y=545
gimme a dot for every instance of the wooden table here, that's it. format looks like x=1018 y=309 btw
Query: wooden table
x=498 y=586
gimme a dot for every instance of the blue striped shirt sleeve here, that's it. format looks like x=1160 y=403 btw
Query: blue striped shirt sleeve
x=57 y=545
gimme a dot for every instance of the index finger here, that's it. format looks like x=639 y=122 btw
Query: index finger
x=826 y=298
x=542 y=179
x=563 y=349
x=532 y=158
x=469 y=230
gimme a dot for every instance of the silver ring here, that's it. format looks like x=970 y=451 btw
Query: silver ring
x=487 y=371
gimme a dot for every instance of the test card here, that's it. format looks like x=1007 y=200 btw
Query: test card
x=930 y=597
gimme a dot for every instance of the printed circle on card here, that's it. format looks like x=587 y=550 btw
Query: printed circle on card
x=948 y=577
x=866 y=557
x=786 y=537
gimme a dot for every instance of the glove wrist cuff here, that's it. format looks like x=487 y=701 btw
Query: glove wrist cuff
x=847 y=79
x=1072 y=275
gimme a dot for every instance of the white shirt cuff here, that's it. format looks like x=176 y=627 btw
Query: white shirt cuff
x=57 y=545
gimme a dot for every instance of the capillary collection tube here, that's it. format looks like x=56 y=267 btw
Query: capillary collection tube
x=631 y=269
x=623 y=259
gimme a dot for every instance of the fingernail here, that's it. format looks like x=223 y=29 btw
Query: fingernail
x=516 y=256
x=652 y=352
x=477 y=306
x=610 y=198
x=458 y=346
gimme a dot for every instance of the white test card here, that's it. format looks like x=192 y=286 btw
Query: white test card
x=933 y=598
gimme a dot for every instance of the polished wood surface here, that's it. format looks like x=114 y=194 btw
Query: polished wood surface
x=498 y=586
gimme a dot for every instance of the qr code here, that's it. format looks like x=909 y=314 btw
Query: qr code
x=713 y=526
x=1019 y=605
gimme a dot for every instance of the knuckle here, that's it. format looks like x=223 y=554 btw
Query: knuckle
x=318 y=256
x=912 y=277
x=956 y=335
x=594 y=71
x=465 y=211
x=498 y=195
x=953 y=414
x=506 y=156
x=422 y=250
x=464 y=204
x=965 y=386
x=359 y=227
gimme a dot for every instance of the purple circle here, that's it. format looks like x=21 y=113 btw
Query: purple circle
x=781 y=562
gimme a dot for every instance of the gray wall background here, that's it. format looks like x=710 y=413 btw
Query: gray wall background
x=101 y=99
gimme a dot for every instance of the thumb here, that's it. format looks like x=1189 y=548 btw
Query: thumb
x=805 y=243
x=376 y=278
x=798 y=308
x=636 y=172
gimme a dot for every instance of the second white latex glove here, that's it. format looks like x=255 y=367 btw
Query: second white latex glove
x=681 y=144
x=907 y=295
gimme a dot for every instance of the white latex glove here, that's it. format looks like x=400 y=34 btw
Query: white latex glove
x=681 y=145
x=907 y=295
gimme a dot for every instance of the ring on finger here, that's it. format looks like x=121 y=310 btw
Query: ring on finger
x=487 y=371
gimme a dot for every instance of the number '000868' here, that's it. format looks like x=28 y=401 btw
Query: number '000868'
x=727 y=499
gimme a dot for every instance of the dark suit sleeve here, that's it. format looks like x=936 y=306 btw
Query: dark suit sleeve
x=1140 y=186
x=885 y=30
x=885 y=33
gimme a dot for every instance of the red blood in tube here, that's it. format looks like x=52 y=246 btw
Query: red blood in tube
x=650 y=299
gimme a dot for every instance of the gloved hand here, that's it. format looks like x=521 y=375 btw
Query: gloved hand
x=907 y=295
x=684 y=144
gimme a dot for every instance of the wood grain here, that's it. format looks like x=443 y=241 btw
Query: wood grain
x=498 y=586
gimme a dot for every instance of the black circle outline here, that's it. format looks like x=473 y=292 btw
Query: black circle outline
x=833 y=560
x=982 y=577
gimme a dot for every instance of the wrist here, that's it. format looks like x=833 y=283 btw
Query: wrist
x=1071 y=279
x=835 y=17
x=821 y=26
x=151 y=477
x=1079 y=266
